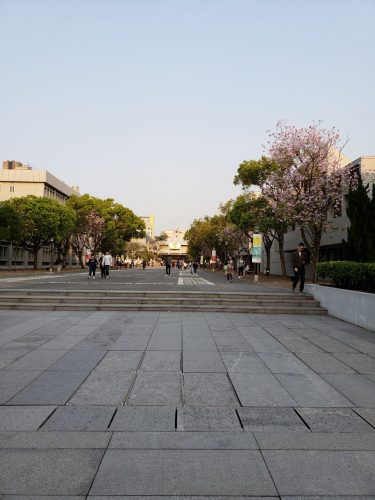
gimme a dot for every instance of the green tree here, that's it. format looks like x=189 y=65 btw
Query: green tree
x=261 y=214
x=9 y=223
x=42 y=219
x=102 y=225
x=361 y=233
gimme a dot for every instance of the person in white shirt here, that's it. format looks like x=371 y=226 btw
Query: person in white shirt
x=107 y=263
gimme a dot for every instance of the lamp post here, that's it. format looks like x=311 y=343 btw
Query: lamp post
x=51 y=248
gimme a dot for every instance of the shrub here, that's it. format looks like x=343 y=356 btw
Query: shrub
x=347 y=274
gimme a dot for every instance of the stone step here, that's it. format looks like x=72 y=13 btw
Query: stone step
x=161 y=293
x=252 y=309
x=296 y=301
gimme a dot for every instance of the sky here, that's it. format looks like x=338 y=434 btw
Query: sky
x=155 y=103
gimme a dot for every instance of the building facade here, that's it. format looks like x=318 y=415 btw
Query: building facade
x=175 y=246
x=17 y=180
x=337 y=232
x=150 y=225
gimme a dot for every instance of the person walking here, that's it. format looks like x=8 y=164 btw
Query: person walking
x=195 y=266
x=107 y=262
x=230 y=270
x=241 y=265
x=101 y=265
x=143 y=264
x=167 y=266
x=92 y=263
x=298 y=263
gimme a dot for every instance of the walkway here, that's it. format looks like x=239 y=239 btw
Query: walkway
x=111 y=405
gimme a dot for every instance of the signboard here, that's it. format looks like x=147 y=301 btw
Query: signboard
x=257 y=249
x=174 y=245
x=201 y=260
x=213 y=253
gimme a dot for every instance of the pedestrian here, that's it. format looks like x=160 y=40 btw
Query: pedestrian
x=101 y=265
x=107 y=262
x=230 y=270
x=298 y=263
x=241 y=265
x=143 y=264
x=92 y=263
x=195 y=266
x=167 y=266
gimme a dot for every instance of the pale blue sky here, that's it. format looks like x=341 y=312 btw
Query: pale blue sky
x=156 y=102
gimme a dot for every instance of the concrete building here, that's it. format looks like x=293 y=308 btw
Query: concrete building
x=175 y=246
x=18 y=180
x=150 y=225
x=332 y=239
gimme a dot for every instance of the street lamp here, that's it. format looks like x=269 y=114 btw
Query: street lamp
x=51 y=248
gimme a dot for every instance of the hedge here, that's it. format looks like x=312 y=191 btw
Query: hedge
x=347 y=274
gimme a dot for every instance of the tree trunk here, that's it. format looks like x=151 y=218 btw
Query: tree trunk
x=313 y=246
x=267 y=242
x=280 y=239
x=35 y=255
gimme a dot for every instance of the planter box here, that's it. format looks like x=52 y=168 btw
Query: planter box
x=355 y=307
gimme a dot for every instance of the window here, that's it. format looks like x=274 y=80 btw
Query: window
x=11 y=189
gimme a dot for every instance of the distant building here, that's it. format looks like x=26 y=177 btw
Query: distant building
x=332 y=240
x=150 y=225
x=18 y=180
x=175 y=246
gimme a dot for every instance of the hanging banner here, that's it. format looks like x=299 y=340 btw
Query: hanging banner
x=257 y=249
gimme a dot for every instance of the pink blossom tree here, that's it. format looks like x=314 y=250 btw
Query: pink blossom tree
x=310 y=181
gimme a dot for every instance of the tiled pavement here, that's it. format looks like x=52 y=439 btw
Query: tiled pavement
x=142 y=405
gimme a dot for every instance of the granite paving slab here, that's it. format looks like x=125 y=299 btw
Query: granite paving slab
x=260 y=390
x=144 y=418
x=358 y=388
x=11 y=382
x=243 y=362
x=265 y=344
x=37 y=360
x=368 y=414
x=316 y=440
x=48 y=472
x=202 y=362
x=333 y=420
x=156 y=388
x=300 y=345
x=360 y=362
x=119 y=361
x=212 y=472
x=184 y=440
x=208 y=389
x=8 y=356
x=76 y=361
x=322 y=362
x=54 y=440
x=50 y=388
x=23 y=418
x=131 y=343
x=103 y=388
x=283 y=363
x=165 y=342
x=207 y=419
x=199 y=344
x=310 y=390
x=161 y=361
x=80 y=418
x=271 y=419
x=322 y=472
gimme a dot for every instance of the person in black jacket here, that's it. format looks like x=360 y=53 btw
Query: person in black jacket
x=92 y=263
x=298 y=263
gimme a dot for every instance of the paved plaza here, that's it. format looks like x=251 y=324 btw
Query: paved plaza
x=183 y=405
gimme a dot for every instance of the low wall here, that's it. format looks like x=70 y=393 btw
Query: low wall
x=355 y=307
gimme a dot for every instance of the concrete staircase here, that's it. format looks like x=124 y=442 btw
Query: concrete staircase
x=58 y=300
